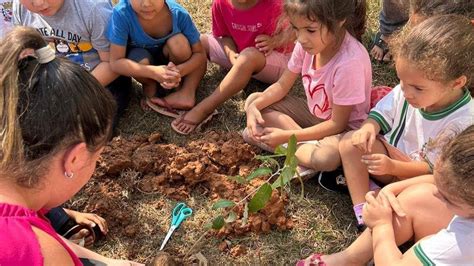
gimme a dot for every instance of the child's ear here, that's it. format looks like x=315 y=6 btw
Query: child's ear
x=75 y=158
x=459 y=83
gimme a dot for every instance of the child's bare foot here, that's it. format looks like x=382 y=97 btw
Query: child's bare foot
x=180 y=100
x=191 y=120
x=379 y=49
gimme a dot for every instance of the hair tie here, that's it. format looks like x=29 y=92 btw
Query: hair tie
x=45 y=54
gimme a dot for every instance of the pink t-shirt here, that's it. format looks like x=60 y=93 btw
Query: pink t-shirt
x=345 y=80
x=243 y=26
x=18 y=242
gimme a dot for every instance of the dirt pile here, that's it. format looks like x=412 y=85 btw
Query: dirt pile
x=147 y=165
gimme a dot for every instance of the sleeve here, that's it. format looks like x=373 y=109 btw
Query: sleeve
x=384 y=112
x=16 y=10
x=452 y=246
x=349 y=84
x=219 y=28
x=188 y=28
x=19 y=245
x=99 y=18
x=118 y=30
x=295 y=64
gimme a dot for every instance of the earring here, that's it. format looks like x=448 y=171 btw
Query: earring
x=69 y=175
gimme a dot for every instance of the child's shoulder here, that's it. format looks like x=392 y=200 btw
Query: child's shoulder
x=352 y=50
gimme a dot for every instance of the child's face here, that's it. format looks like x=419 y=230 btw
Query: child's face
x=421 y=92
x=147 y=9
x=45 y=8
x=456 y=205
x=313 y=36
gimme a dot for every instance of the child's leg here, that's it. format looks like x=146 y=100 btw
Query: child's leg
x=355 y=171
x=144 y=57
x=205 y=44
x=425 y=215
x=248 y=62
x=323 y=156
x=178 y=50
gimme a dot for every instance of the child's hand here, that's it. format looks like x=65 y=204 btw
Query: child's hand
x=263 y=44
x=274 y=136
x=90 y=220
x=378 y=164
x=364 y=139
x=254 y=121
x=377 y=211
x=165 y=74
x=389 y=193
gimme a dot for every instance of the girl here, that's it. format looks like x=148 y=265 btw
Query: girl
x=55 y=119
x=156 y=42
x=430 y=102
x=336 y=77
x=243 y=40
x=425 y=206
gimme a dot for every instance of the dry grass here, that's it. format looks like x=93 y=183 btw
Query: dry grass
x=323 y=221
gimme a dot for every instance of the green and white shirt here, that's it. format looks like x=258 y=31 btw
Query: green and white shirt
x=414 y=131
x=451 y=246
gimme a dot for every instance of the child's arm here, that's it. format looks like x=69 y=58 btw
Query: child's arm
x=103 y=72
x=230 y=49
x=377 y=215
x=381 y=164
x=124 y=66
x=197 y=59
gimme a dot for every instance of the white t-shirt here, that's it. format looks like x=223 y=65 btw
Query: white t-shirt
x=6 y=22
x=416 y=132
x=451 y=246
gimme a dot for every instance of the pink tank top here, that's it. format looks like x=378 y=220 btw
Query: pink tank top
x=18 y=242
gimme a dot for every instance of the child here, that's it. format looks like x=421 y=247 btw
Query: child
x=76 y=30
x=430 y=102
x=437 y=212
x=145 y=35
x=5 y=17
x=56 y=119
x=336 y=77
x=243 y=40
x=393 y=16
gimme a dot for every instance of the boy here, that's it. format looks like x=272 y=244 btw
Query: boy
x=157 y=42
x=76 y=30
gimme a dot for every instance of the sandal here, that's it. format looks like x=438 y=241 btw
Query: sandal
x=379 y=42
x=194 y=125
x=164 y=108
x=314 y=260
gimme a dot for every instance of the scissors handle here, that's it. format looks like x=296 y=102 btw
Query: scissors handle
x=180 y=212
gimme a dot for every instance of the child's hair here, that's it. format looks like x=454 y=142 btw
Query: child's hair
x=429 y=8
x=456 y=166
x=441 y=47
x=330 y=13
x=45 y=108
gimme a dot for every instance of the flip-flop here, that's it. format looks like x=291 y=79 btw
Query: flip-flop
x=314 y=260
x=164 y=108
x=196 y=125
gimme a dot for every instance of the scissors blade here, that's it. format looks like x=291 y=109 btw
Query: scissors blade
x=168 y=235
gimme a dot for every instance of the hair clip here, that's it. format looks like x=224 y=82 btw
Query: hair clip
x=45 y=54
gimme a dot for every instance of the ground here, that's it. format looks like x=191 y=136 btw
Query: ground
x=148 y=168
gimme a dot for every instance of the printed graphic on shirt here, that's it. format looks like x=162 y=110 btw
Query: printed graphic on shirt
x=249 y=28
x=71 y=46
x=6 y=9
x=317 y=93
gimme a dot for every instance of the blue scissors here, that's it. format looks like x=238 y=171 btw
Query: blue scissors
x=180 y=212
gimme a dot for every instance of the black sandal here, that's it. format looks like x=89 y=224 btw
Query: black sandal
x=379 y=42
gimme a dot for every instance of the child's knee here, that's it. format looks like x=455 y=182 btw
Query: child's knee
x=178 y=48
x=417 y=196
x=251 y=56
x=345 y=145
x=325 y=158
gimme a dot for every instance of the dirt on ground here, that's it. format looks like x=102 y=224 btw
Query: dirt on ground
x=145 y=164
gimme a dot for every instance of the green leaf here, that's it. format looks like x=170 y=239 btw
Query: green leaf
x=286 y=175
x=239 y=179
x=291 y=149
x=260 y=198
x=223 y=203
x=218 y=222
x=262 y=171
x=231 y=218
x=208 y=226
x=280 y=150
x=245 y=215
